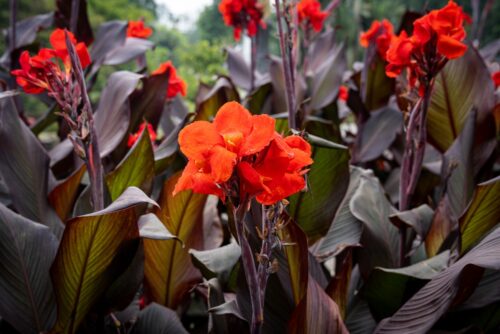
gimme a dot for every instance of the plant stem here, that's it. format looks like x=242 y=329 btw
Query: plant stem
x=416 y=138
x=75 y=7
x=88 y=134
x=290 y=87
x=249 y=267
x=265 y=253
x=253 y=61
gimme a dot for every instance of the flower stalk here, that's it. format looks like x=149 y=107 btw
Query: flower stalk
x=287 y=62
x=84 y=136
x=416 y=138
x=251 y=274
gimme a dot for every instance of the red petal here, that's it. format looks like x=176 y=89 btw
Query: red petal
x=260 y=136
x=233 y=117
x=83 y=54
x=450 y=48
x=197 y=139
x=58 y=39
x=222 y=163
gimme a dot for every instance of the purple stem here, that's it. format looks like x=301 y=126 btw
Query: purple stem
x=290 y=90
x=75 y=7
x=416 y=138
x=91 y=146
x=251 y=275
x=253 y=61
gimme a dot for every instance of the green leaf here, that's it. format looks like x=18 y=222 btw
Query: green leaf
x=63 y=196
x=113 y=112
x=387 y=289
x=297 y=257
x=380 y=239
x=169 y=273
x=316 y=313
x=376 y=87
x=217 y=262
x=450 y=287
x=92 y=255
x=210 y=99
x=151 y=227
x=462 y=84
x=135 y=170
x=25 y=169
x=159 y=320
x=327 y=78
x=482 y=214
x=345 y=228
x=26 y=253
x=378 y=133
x=328 y=179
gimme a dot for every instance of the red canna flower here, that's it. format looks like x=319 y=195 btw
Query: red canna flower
x=241 y=15
x=137 y=29
x=343 y=93
x=399 y=55
x=310 y=12
x=496 y=78
x=436 y=38
x=134 y=137
x=238 y=144
x=381 y=33
x=175 y=83
x=42 y=72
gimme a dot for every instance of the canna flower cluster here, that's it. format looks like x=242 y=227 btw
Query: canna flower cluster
x=242 y=155
x=310 y=14
x=241 y=15
x=437 y=37
x=137 y=29
x=381 y=33
x=175 y=83
x=43 y=71
x=135 y=136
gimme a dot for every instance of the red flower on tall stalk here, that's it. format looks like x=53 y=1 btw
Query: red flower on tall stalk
x=137 y=29
x=496 y=78
x=242 y=149
x=175 y=83
x=381 y=33
x=241 y=15
x=43 y=72
x=134 y=137
x=437 y=37
x=310 y=12
x=343 y=93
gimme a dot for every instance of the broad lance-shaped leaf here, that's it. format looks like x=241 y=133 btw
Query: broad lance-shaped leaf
x=135 y=170
x=27 y=249
x=482 y=214
x=216 y=262
x=297 y=258
x=316 y=313
x=451 y=286
x=25 y=169
x=158 y=319
x=388 y=289
x=92 y=254
x=380 y=239
x=327 y=180
x=210 y=99
x=459 y=172
x=376 y=87
x=327 y=78
x=346 y=228
x=64 y=194
x=462 y=84
x=378 y=133
x=168 y=271
x=113 y=115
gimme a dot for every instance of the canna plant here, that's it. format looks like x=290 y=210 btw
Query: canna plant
x=309 y=198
